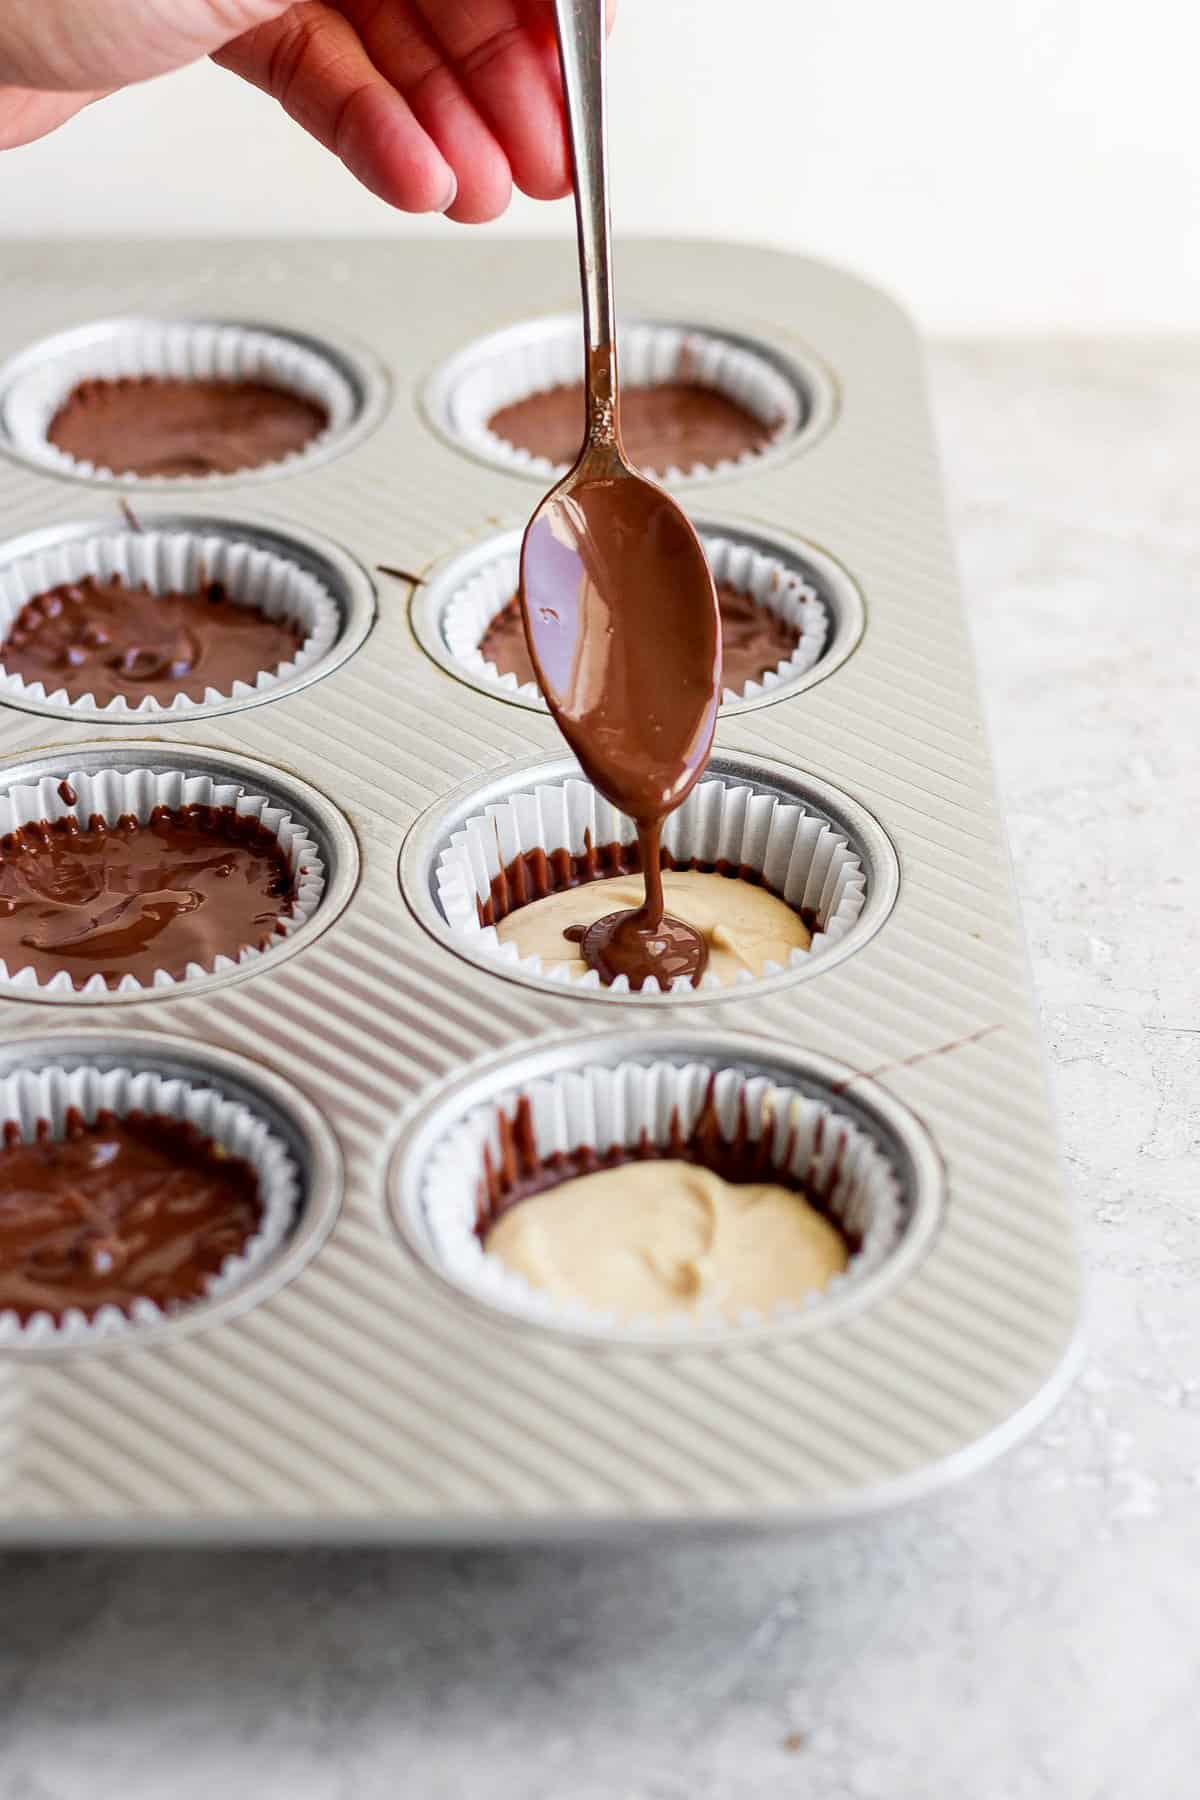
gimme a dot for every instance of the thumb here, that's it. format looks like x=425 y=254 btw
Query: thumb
x=77 y=46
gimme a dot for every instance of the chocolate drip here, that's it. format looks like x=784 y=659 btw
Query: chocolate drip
x=102 y=638
x=754 y=639
x=621 y=944
x=191 y=884
x=519 y=1172
x=154 y=425
x=674 y=424
x=121 y=1209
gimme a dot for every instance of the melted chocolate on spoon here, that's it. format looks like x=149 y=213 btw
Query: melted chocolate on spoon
x=624 y=629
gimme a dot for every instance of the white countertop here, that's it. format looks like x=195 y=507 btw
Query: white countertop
x=1033 y=1635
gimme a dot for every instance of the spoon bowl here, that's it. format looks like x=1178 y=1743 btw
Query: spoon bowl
x=624 y=631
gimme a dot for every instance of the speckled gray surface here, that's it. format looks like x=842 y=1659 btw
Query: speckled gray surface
x=1034 y=1635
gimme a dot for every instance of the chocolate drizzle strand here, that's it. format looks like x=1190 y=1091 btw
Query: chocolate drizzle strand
x=191 y=884
x=100 y=638
x=157 y=425
x=143 y=1207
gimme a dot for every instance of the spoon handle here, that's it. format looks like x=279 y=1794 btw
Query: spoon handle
x=583 y=53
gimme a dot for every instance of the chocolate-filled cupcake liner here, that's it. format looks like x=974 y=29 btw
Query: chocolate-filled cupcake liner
x=194 y=350
x=169 y=561
x=725 y=824
x=509 y=368
x=843 y=1170
x=44 y=1097
x=779 y=589
x=113 y=794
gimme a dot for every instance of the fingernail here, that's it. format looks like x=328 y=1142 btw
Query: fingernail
x=451 y=190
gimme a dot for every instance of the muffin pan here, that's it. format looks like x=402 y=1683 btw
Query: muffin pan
x=355 y=1387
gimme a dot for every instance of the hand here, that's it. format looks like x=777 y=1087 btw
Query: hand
x=435 y=105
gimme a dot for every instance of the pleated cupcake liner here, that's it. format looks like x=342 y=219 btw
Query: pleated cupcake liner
x=112 y=794
x=602 y=1107
x=650 y=353
x=766 y=579
x=731 y=824
x=191 y=350
x=44 y=1098
x=181 y=562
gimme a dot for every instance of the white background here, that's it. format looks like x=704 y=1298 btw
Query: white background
x=1027 y=164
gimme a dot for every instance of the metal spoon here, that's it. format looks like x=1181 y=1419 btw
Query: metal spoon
x=619 y=604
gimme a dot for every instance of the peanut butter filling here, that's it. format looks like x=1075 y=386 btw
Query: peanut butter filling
x=648 y=1239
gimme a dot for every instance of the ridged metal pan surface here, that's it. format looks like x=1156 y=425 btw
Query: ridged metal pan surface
x=357 y=1397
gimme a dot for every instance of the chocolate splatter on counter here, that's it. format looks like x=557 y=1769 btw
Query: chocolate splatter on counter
x=191 y=884
x=155 y=425
x=102 y=638
x=117 y=1210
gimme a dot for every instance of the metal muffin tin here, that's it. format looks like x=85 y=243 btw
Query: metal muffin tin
x=353 y=1394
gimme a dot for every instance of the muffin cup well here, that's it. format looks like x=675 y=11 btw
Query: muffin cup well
x=773 y=582
x=44 y=1096
x=114 y=793
x=165 y=561
x=797 y=855
x=859 y=1153
x=34 y=384
x=790 y=398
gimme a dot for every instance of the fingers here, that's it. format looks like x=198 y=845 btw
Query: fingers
x=313 y=61
x=498 y=50
x=406 y=51
x=436 y=105
x=25 y=115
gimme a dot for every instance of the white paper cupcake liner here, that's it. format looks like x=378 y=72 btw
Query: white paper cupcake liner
x=48 y=1094
x=471 y=609
x=839 y=1164
x=179 y=349
x=799 y=856
x=650 y=353
x=113 y=794
x=172 y=561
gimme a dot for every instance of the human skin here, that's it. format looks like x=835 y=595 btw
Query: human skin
x=435 y=105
